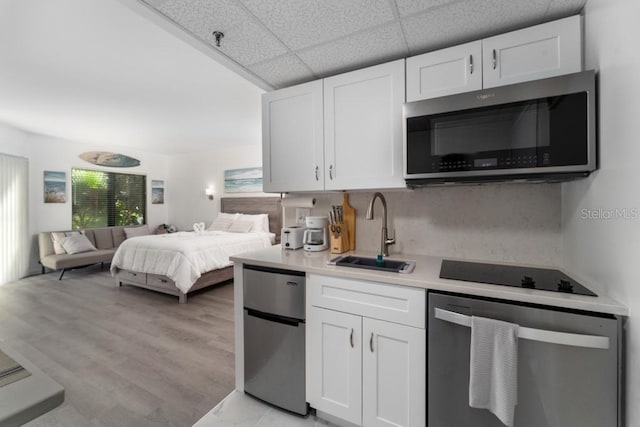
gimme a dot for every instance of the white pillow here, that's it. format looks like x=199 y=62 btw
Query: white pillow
x=76 y=244
x=57 y=236
x=240 y=226
x=137 y=231
x=221 y=219
x=260 y=222
x=220 y=224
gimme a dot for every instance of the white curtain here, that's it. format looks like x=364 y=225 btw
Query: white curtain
x=14 y=218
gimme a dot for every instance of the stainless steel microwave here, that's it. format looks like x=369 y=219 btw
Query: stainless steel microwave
x=540 y=130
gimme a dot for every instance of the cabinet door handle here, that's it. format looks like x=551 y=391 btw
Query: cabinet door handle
x=371 y=342
x=331 y=172
x=494 y=59
x=317 y=170
x=351 y=338
x=470 y=64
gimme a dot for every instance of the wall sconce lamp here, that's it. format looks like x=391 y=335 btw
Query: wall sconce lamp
x=209 y=192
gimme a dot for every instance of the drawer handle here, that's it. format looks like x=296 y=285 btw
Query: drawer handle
x=351 y=338
x=371 y=342
x=494 y=59
x=292 y=283
x=134 y=274
x=164 y=280
x=470 y=64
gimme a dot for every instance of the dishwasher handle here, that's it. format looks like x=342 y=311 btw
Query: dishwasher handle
x=542 y=335
x=273 y=318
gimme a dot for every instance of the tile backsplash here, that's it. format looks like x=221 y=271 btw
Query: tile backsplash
x=501 y=222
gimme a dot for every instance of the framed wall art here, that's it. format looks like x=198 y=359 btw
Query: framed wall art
x=55 y=187
x=157 y=192
x=246 y=180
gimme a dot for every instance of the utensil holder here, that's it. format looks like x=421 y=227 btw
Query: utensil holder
x=338 y=238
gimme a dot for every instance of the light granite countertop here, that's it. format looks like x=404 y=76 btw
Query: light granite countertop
x=426 y=276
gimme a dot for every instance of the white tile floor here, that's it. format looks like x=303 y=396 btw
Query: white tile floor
x=241 y=410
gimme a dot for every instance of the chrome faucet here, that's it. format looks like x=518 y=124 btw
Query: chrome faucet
x=385 y=241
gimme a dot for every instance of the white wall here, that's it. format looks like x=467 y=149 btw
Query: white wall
x=598 y=242
x=190 y=174
x=502 y=222
x=47 y=153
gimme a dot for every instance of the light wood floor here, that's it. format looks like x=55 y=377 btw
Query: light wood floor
x=125 y=356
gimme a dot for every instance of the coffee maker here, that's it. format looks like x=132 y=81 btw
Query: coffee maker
x=316 y=236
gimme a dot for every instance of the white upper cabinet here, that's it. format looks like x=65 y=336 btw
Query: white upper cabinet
x=445 y=72
x=292 y=139
x=350 y=140
x=545 y=50
x=537 y=52
x=363 y=128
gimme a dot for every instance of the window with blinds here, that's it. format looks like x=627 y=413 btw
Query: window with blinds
x=14 y=218
x=101 y=199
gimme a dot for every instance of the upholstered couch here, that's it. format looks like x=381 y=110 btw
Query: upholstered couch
x=106 y=241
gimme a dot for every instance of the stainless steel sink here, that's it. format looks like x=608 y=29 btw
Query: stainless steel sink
x=396 y=266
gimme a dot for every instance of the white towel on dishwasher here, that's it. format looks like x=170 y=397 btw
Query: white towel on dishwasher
x=493 y=379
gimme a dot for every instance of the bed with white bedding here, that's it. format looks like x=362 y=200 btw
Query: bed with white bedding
x=179 y=263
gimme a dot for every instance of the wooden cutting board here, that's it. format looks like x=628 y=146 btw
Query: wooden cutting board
x=350 y=220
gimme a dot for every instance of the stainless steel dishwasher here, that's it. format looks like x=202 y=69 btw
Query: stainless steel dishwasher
x=274 y=334
x=569 y=364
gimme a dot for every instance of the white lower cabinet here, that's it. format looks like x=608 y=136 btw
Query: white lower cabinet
x=393 y=374
x=366 y=371
x=336 y=382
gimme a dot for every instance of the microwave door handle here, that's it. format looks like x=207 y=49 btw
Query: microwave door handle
x=542 y=335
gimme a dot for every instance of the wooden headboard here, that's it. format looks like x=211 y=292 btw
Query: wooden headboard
x=256 y=205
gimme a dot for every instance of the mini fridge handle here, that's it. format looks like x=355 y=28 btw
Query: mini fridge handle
x=273 y=317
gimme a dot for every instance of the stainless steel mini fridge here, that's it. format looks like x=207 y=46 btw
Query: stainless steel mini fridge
x=274 y=337
x=569 y=366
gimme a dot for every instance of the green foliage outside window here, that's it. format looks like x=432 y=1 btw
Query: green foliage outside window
x=102 y=199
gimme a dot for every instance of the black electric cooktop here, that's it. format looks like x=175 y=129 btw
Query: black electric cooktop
x=510 y=275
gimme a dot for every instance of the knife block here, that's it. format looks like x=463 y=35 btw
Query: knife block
x=339 y=241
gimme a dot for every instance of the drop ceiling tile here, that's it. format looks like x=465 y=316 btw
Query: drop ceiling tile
x=201 y=17
x=283 y=71
x=411 y=7
x=470 y=20
x=303 y=23
x=367 y=48
x=563 y=8
x=249 y=43
x=245 y=41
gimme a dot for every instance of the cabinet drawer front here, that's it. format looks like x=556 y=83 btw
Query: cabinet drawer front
x=160 y=281
x=399 y=304
x=132 y=276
